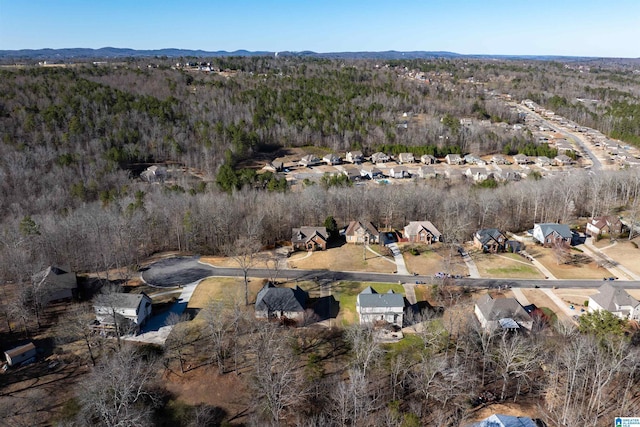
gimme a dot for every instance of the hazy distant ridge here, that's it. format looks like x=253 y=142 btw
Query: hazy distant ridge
x=113 y=52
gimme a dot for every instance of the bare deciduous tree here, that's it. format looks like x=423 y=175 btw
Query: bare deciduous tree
x=118 y=392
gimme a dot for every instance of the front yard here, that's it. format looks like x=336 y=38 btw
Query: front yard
x=580 y=265
x=624 y=252
x=505 y=266
x=433 y=259
x=347 y=257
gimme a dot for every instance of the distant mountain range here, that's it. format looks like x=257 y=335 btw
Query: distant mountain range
x=113 y=52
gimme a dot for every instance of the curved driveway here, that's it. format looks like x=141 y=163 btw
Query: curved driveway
x=173 y=272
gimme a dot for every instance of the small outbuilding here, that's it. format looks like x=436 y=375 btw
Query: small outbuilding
x=21 y=354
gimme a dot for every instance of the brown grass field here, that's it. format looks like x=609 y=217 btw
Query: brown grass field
x=344 y=258
x=582 y=267
x=433 y=259
x=624 y=253
x=229 y=290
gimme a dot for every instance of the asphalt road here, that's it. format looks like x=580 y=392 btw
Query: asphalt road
x=175 y=272
x=597 y=165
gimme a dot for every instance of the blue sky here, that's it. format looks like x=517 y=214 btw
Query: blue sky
x=560 y=27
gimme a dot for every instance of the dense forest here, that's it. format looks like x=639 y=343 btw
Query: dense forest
x=74 y=140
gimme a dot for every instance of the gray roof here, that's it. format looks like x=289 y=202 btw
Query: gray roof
x=499 y=420
x=120 y=300
x=611 y=298
x=370 y=298
x=271 y=298
x=502 y=308
x=487 y=234
x=303 y=234
x=57 y=277
x=562 y=229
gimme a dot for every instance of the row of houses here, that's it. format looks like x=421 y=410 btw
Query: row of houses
x=488 y=240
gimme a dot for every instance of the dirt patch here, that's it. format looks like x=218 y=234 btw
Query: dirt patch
x=195 y=387
x=505 y=266
x=347 y=257
x=579 y=267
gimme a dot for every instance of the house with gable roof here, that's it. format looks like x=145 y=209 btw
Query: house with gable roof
x=616 y=301
x=354 y=157
x=490 y=240
x=549 y=234
x=332 y=159
x=129 y=311
x=309 y=238
x=361 y=232
x=504 y=313
x=406 y=158
x=604 y=225
x=281 y=303
x=422 y=232
x=56 y=283
x=379 y=157
x=373 y=307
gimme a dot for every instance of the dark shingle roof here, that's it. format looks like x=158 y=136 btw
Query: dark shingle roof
x=271 y=298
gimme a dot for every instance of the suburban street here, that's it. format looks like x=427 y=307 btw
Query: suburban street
x=584 y=146
x=175 y=272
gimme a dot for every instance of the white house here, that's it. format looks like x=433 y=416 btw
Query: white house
x=615 y=300
x=428 y=159
x=499 y=420
x=132 y=309
x=399 y=172
x=354 y=157
x=370 y=172
x=373 y=307
x=379 y=157
x=454 y=159
x=505 y=313
x=550 y=233
x=406 y=158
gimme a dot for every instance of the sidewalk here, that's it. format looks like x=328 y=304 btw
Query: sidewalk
x=615 y=268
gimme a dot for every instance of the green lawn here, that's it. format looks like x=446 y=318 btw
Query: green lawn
x=347 y=292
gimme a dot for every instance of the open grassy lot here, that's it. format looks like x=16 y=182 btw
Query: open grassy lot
x=433 y=259
x=229 y=290
x=624 y=253
x=344 y=258
x=346 y=293
x=505 y=266
x=580 y=267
